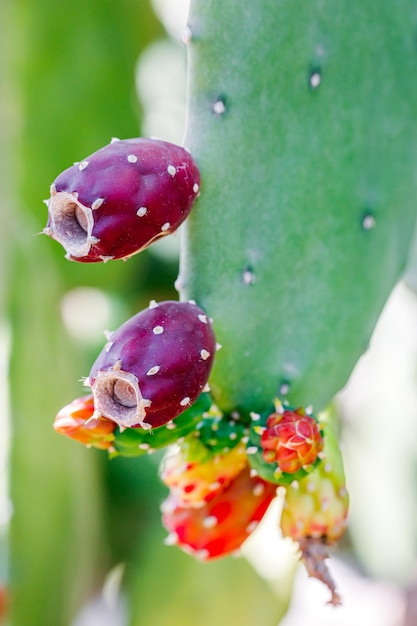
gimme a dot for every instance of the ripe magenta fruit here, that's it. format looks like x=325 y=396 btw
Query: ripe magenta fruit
x=120 y=199
x=154 y=366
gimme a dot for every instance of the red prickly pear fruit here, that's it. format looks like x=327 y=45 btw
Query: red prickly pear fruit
x=292 y=440
x=195 y=475
x=286 y=446
x=221 y=526
x=120 y=199
x=154 y=366
x=77 y=421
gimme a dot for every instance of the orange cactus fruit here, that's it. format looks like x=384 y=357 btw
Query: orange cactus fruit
x=76 y=420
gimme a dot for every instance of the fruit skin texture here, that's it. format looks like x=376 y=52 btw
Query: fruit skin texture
x=221 y=526
x=285 y=445
x=120 y=199
x=77 y=421
x=154 y=366
x=195 y=475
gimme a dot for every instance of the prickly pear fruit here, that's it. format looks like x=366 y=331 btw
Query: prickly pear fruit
x=154 y=366
x=316 y=508
x=195 y=475
x=77 y=421
x=120 y=199
x=137 y=441
x=222 y=525
x=286 y=445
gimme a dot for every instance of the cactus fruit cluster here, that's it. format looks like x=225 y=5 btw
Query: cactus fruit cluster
x=301 y=231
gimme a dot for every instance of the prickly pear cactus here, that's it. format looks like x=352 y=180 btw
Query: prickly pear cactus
x=302 y=122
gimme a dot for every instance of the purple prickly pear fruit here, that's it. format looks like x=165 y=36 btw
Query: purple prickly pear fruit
x=120 y=199
x=154 y=366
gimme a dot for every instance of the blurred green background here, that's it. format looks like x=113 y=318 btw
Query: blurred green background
x=80 y=537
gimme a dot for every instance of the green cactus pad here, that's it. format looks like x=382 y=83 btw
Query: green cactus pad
x=303 y=120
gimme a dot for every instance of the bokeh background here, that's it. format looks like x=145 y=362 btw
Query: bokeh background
x=81 y=542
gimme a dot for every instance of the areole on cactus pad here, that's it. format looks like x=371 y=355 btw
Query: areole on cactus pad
x=120 y=199
x=154 y=366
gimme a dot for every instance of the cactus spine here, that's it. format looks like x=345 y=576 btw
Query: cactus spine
x=302 y=121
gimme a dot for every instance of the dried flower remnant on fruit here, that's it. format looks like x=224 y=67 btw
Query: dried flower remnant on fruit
x=94 y=205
